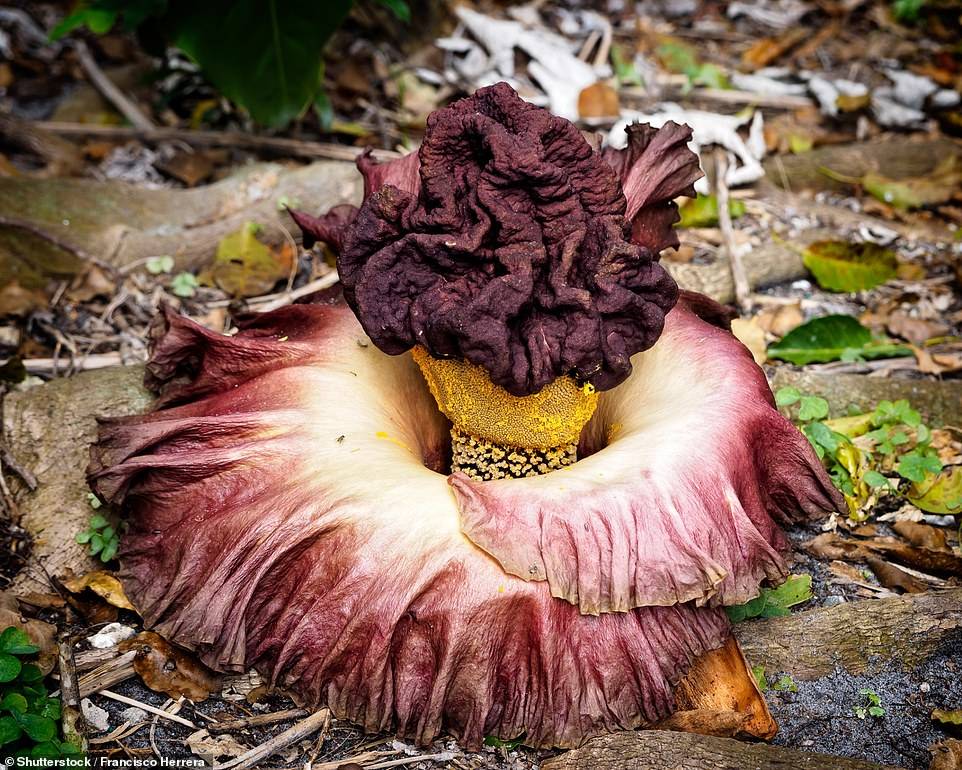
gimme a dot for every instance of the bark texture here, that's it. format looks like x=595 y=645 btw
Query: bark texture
x=862 y=637
x=665 y=750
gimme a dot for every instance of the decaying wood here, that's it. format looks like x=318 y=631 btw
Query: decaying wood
x=896 y=159
x=49 y=430
x=259 y=720
x=70 y=715
x=719 y=695
x=115 y=671
x=119 y=223
x=279 y=742
x=940 y=403
x=270 y=145
x=664 y=750
x=862 y=637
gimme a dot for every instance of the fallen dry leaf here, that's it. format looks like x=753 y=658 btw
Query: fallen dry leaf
x=191 y=168
x=102 y=583
x=893 y=577
x=245 y=267
x=915 y=330
x=167 y=669
x=18 y=301
x=923 y=535
x=43 y=635
x=946 y=755
x=752 y=336
x=780 y=320
x=211 y=747
x=598 y=100
x=831 y=545
x=92 y=282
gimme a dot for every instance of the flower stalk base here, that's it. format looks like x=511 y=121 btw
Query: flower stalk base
x=484 y=460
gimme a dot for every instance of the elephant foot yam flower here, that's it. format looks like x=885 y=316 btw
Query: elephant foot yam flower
x=505 y=486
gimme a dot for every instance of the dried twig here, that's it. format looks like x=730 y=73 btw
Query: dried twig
x=109 y=90
x=118 y=669
x=53 y=365
x=147 y=707
x=70 y=715
x=743 y=289
x=280 y=741
x=259 y=720
x=277 y=145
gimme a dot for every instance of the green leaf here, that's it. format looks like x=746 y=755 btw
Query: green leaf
x=262 y=54
x=915 y=466
x=109 y=551
x=511 y=743
x=96 y=544
x=51 y=708
x=9 y=730
x=821 y=435
x=843 y=266
x=786 y=396
x=84 y=537
x=100 y=22
x=827 y=338
x=703 y=211
x=760 y=679
x=400 y=9
x=158 y=265
x=785 y=683
x=184 y=285
x=31 y=674
x=948 y=716
x=16 y=642
x=93 y=501
x=13 y=701
x=812 y=408
x=9 y=667
x=774 y=602
x=875 y=479
x=37 y=728
x=97 y=521
x=943 y=494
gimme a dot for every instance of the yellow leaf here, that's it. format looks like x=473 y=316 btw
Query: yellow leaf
x=104 y=584
x=245 y=267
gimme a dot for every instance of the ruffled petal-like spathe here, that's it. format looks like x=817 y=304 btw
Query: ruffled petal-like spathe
x=691 y=461
x=283 y=514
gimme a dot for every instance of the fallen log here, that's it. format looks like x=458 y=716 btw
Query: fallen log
x=860 y=637
x=665 y=750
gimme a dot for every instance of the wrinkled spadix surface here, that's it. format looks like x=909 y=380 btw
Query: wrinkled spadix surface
x=288 y=509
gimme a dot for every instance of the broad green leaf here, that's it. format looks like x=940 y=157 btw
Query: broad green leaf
x=773 y=602
x=15 y=641
x=37 y=728
x=703 y=211
x=30 y=674
x=9 y=730
x=13 y=702
x=875 y=479
x=843 y=266
x=760 y=679
x=83 y=537
x=819 y=433
x=263 y=54
x=9 y=667
x=943 y=494
x=828 y=338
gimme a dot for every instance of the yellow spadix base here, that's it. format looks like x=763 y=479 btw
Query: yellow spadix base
x=497 y=435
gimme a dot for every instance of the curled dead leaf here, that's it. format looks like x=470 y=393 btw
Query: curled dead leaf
x=923 y=535
x=102 y=583
x=893 y=577
x=915 y=330
x=43 y=635
x=598 y=100
x=167 y=669
x=752 y=336
x=831 y=545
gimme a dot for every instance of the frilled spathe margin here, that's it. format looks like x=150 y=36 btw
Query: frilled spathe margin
x=685 y=464
x=281 y=515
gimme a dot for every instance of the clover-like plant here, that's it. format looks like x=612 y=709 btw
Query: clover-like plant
x=503 y=487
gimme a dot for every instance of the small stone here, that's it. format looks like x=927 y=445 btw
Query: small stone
x=134 y=715
x=96 y=717
x=925 y=687
x=110 y=635
x=831 y=601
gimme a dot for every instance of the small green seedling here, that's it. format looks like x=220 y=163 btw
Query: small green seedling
x=100 y=535
x=158 y=265
x=760 y=679
x=785 y=683
x=874 y=705
x=184 y=285
x=774 y=602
